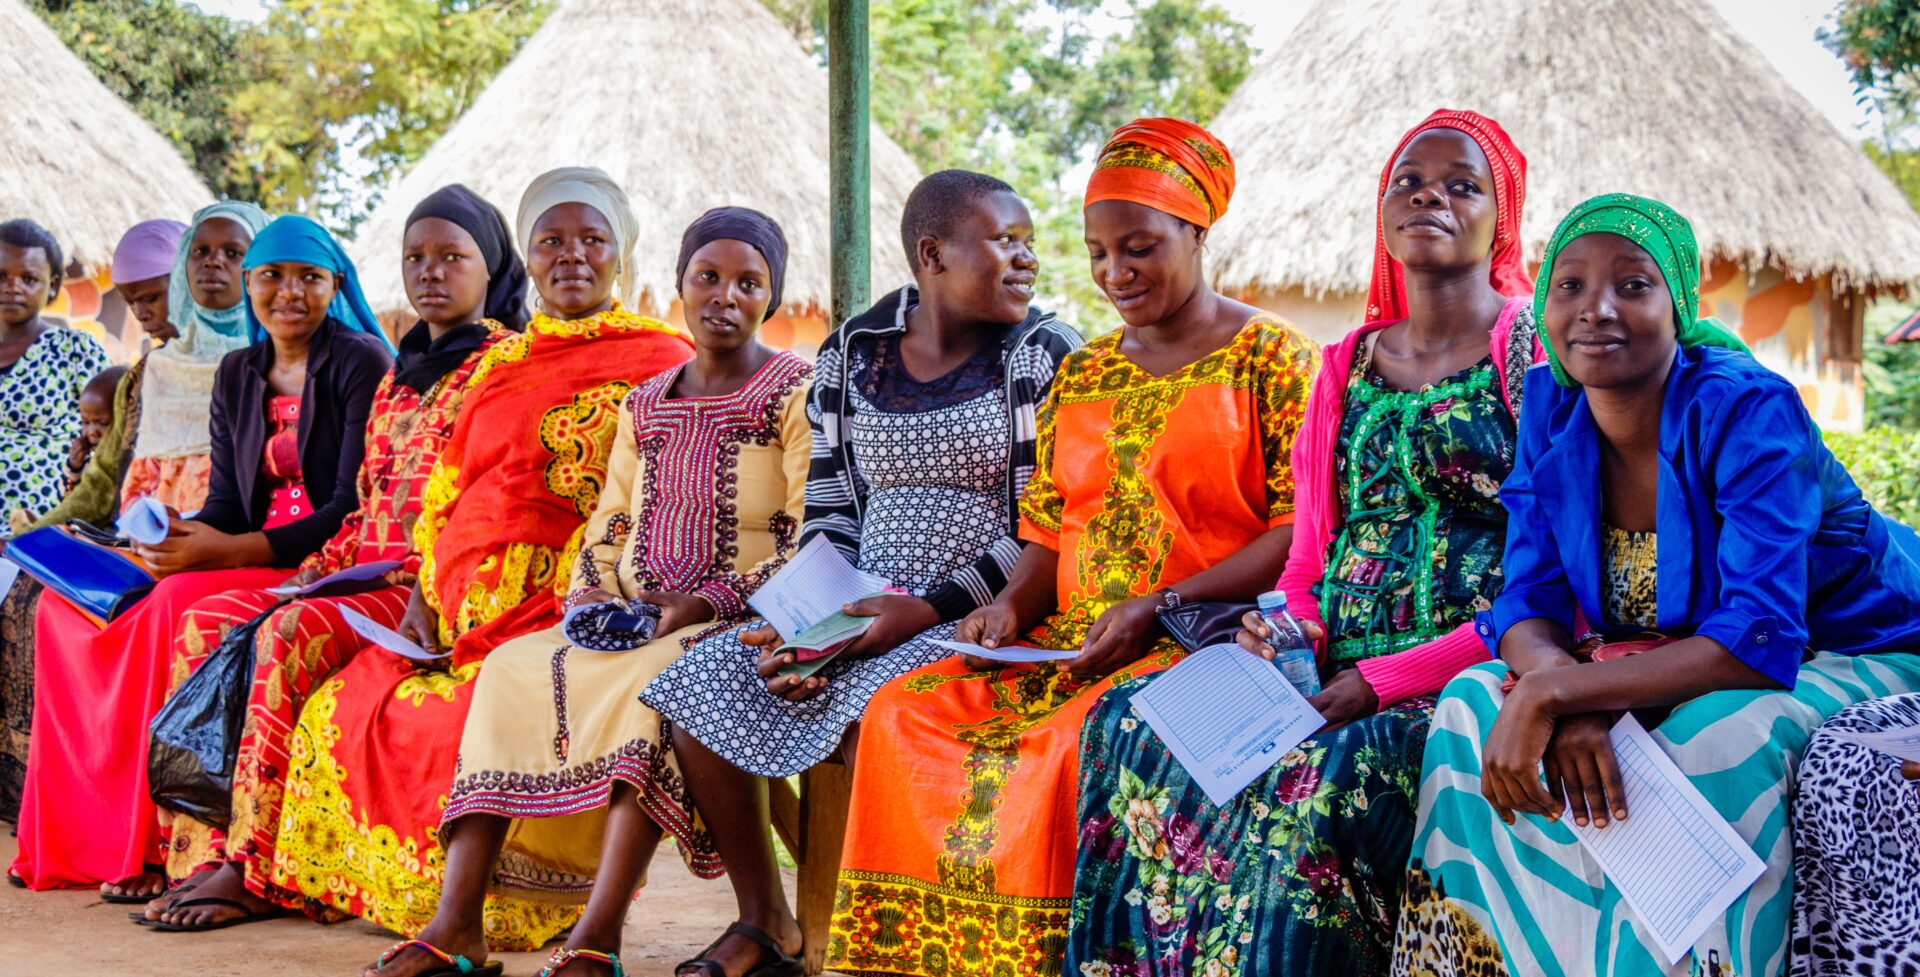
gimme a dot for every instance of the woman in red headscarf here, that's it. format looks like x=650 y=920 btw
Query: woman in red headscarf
x=1397 y=539
x=1163 y=477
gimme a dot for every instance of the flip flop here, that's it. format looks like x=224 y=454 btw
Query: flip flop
x=456 y=965
x=784 y=964
x=247 y=916
x=177 y=892
x=561 y=957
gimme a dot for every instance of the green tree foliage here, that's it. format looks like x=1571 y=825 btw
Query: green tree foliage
x=382 y=78
x=1880 y=42
x=1027 y=89
x=1902 y=165
x=176 y=66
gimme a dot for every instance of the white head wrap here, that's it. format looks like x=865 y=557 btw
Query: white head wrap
x=583 y=185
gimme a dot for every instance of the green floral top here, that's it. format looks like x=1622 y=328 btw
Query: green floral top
x=1418 y=552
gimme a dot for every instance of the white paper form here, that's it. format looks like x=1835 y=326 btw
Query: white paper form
x=1012 y=654
x=9 y=572
x=815 y=583
x=144 y=521
x=1227 y=716
x=385 y=637
x=1675 y=860
x=1903 y=744
x=352 y=574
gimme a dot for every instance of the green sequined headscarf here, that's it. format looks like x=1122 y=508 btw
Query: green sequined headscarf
x=1666 y=236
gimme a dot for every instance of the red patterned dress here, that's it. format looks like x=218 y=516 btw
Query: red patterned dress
x=304 y=641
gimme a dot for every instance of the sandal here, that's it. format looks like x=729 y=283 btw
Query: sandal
x=133 y=900
x=178 y=892
x=561 y=957
x=246 y=916
x=456 y=965
x=784 y=964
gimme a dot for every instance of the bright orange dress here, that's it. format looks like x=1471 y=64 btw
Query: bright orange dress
x=1143 y=481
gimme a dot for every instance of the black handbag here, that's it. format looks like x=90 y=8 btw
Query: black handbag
x=195 y=737
x=1204 y=623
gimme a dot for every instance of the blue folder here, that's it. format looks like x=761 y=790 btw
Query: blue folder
x=102 y=582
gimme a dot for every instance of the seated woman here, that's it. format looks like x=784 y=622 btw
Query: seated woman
x=1856 y=848
x=502 y=517
x=469 y=288
x=188 y=295
x=913 y=479
x=1408 y=432
x=1681 y=546
x=702 y=499
x=1162 y=477
x=288 y=417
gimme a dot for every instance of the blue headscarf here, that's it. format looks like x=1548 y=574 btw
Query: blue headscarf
x=295 y=238
x=209 y=333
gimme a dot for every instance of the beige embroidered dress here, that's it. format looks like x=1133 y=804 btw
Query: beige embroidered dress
x=703 y=496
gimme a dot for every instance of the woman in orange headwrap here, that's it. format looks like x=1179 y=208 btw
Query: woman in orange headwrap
x=1163 y=477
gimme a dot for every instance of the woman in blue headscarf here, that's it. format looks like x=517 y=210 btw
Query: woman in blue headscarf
x=287 y=435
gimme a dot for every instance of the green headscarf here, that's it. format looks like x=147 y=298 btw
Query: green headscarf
x=1666 y=236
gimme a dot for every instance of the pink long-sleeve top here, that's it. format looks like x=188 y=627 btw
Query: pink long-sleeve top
x=1422 y=669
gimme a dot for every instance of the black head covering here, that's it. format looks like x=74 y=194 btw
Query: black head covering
x=739 y=224
x=422 y=361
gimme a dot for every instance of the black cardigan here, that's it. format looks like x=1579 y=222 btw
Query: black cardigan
x=344 y=368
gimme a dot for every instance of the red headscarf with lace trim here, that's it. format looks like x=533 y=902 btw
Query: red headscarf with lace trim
x=1171 y=165
x=1386 y=290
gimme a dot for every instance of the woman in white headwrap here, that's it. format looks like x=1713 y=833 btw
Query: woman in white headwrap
x=500 y=525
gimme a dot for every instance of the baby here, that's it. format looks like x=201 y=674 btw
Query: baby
x=96 y=415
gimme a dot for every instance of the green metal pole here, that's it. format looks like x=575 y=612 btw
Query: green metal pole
x=848 y=91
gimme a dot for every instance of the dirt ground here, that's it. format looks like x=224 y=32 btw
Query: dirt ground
x=74 y=934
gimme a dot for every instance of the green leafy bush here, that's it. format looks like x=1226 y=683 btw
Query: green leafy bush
x=1886 y=464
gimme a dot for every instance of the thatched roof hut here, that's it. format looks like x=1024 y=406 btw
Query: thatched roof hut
x=1657 y=97
x=77 y=158
x=689 y=104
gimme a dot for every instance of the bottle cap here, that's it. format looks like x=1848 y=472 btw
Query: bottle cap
x=1272 y=600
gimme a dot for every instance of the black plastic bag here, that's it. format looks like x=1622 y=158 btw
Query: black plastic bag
x=196 y=735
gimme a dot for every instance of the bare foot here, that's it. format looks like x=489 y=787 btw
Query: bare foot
x=225 y=882
x=414 y=961
x=165 y=900
x=146 y=885
x=736 y=954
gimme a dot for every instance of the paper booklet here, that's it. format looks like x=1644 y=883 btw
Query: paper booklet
x=145 y=521
x=1227 y=715
x=1676 y=861
x=803 y=604
x=373 y=570
x=1012 y=654
x=385 y=637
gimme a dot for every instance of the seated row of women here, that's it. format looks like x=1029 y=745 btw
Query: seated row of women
x=1585 y=477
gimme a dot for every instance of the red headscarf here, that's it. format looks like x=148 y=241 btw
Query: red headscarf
x=1386 y=290
x=1171 y=165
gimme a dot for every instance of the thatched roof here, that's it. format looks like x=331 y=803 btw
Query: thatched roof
x=1656 y=97
x=78 y=159
x=688 y=104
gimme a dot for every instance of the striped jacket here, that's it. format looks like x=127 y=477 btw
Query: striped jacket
x=836 y=494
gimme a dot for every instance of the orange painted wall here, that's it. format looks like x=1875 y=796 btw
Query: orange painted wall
x=93 y=307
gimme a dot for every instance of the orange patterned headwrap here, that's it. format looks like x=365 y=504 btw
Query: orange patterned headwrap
x=1171 y=165
x=1386 y=289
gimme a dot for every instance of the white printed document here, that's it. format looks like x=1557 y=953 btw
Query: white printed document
x=352 y=574
x=9 y=572
x=811 y=587
x=1013 y=654
x=1903 y=744
x=385 y=637
x=1675 y=860
x=144 y=521
x=1227 y=715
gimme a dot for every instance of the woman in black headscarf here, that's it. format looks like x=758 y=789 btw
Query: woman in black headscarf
x=469 y=289
x=561 y=769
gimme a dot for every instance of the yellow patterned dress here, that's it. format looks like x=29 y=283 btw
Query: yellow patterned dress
x=1143 y=482
x=375 y=750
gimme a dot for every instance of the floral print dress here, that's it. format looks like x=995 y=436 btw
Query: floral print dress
x=1301 y=873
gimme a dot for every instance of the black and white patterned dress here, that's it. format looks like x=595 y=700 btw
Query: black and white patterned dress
x=933 y=460
x=40 y=417
x=1856 y=850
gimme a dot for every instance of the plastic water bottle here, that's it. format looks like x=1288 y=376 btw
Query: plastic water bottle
x=1291 y=649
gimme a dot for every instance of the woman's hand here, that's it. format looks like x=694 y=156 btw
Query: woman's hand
x=420 y=624
x=989 y=627
x=194 y=545
x=1910 y=769
x=789 y=687
x=1346 y=697
x=19 y=521
x=302 y=578
x=898 y=618
x=1510 y=764
x=1254 y=632
x=1582 y=770
x=1119 y=637
x=677 y=610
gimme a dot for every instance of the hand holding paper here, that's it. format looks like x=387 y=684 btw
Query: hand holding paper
x=1227 y=716
x=372 y=570
x=1012 y=654
x=145 y=521
x=385 y=637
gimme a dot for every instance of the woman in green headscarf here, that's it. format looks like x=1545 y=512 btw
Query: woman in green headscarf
x=1721 y=581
